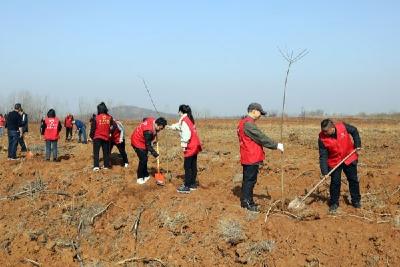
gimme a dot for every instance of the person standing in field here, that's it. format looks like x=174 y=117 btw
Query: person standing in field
x=335 y=142
x=14 y=130
x=24 y=129
x=50 y=129
x=68 y=124
x=118 y=140
x=251 y=141
x=81 y=131
x=2 y=124
x=142 y=140
x=100 y=133
x=191 y=146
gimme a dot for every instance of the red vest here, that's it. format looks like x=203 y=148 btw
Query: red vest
x=339 y=147
x=68 y=122
x=2 y=121
x=194 y=145
x=102 y=127
x=137 y=137
x=116 y=135
x=250 y=151
x=51 y=131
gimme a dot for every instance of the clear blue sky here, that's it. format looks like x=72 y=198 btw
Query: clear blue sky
x=217 y=56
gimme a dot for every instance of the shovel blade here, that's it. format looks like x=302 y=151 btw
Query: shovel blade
x=296 y=204
x=160 y=178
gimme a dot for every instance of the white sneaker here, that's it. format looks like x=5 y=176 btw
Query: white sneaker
x=140 y=181
x=126 y=165
x=96 y=169
x=145 y=179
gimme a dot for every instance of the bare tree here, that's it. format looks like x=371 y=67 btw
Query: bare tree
x=291 y=59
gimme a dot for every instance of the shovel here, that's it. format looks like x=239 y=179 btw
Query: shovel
x=160 y=178
x=298 y=202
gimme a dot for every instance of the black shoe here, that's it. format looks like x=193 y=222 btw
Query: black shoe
x=333 y=208
x=193 y=187
x=250 y=205
x=183 y=189
x=356 y=205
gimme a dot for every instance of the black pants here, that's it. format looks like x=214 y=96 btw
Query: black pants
x=21 y=142
x=68 y=132
x=354 y=185
x=142 y=167
x=190 y=166
x=121 y=149
x=249 y=180
x=105 y=146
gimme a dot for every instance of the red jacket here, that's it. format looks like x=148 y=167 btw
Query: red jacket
x=51 y=131
x=103 y=123
x=194 y=145
x=68 y=121
x=2 y=121
x=339 y=147
x=250 y=152
x=137 y=137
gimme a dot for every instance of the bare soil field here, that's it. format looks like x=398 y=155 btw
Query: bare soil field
x=64 y=214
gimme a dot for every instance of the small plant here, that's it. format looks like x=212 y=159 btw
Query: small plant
x=231 y=231
x=174 y=223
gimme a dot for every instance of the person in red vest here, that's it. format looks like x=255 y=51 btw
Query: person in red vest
x=252 y=141
x=68 y=127
x=335 y=144
x=141 y=140
x=2 y=124
x=50 y=129
x=118 y=140
x=100 y=133
x=191 y=146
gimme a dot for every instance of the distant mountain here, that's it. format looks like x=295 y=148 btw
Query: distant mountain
x=136 y=113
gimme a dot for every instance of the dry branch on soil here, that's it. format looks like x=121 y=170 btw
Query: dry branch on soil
x=100 y=213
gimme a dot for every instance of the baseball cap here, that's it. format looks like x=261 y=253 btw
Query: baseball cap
x=256 y=106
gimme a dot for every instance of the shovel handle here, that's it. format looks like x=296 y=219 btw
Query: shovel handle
x=326 y=176
x=158 y=158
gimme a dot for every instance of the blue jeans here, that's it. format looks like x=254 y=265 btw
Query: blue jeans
x=51 y=146
x=13 y=137
x=82 y=135
x=1 y=131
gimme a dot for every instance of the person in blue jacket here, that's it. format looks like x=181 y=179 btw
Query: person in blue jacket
x=81 y=129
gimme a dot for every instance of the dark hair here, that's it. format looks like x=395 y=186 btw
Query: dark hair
x=17 y=106
x=185 y=109
x=102 y=108
x=326 y=124
x=51 y=113
x=161 y=122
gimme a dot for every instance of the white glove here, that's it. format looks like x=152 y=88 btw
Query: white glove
x=280 y=147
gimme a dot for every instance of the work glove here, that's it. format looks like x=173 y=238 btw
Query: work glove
x=280 y=147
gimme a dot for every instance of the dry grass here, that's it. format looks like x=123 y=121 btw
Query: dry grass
x=231 y=231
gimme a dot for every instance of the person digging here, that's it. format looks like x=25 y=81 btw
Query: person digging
x=336 y=141
x=252 y=140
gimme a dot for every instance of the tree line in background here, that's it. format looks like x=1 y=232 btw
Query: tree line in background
x=36 y=106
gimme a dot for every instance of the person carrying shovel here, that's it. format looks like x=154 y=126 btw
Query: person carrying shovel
x=191 y=146
x=141 y=140
x=335 y=144
x=252 y=141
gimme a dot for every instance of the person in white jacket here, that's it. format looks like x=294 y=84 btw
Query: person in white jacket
x=191 y=146
x=118 y=140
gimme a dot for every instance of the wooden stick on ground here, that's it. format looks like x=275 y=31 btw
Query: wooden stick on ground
x=101 y=212
x=34 y=263
x=270 y=208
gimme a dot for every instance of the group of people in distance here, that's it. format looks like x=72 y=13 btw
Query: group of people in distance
x=338 y=146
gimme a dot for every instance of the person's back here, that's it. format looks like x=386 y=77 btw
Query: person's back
x=14 y=121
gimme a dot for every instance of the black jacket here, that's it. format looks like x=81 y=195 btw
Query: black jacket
x=13 y=121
